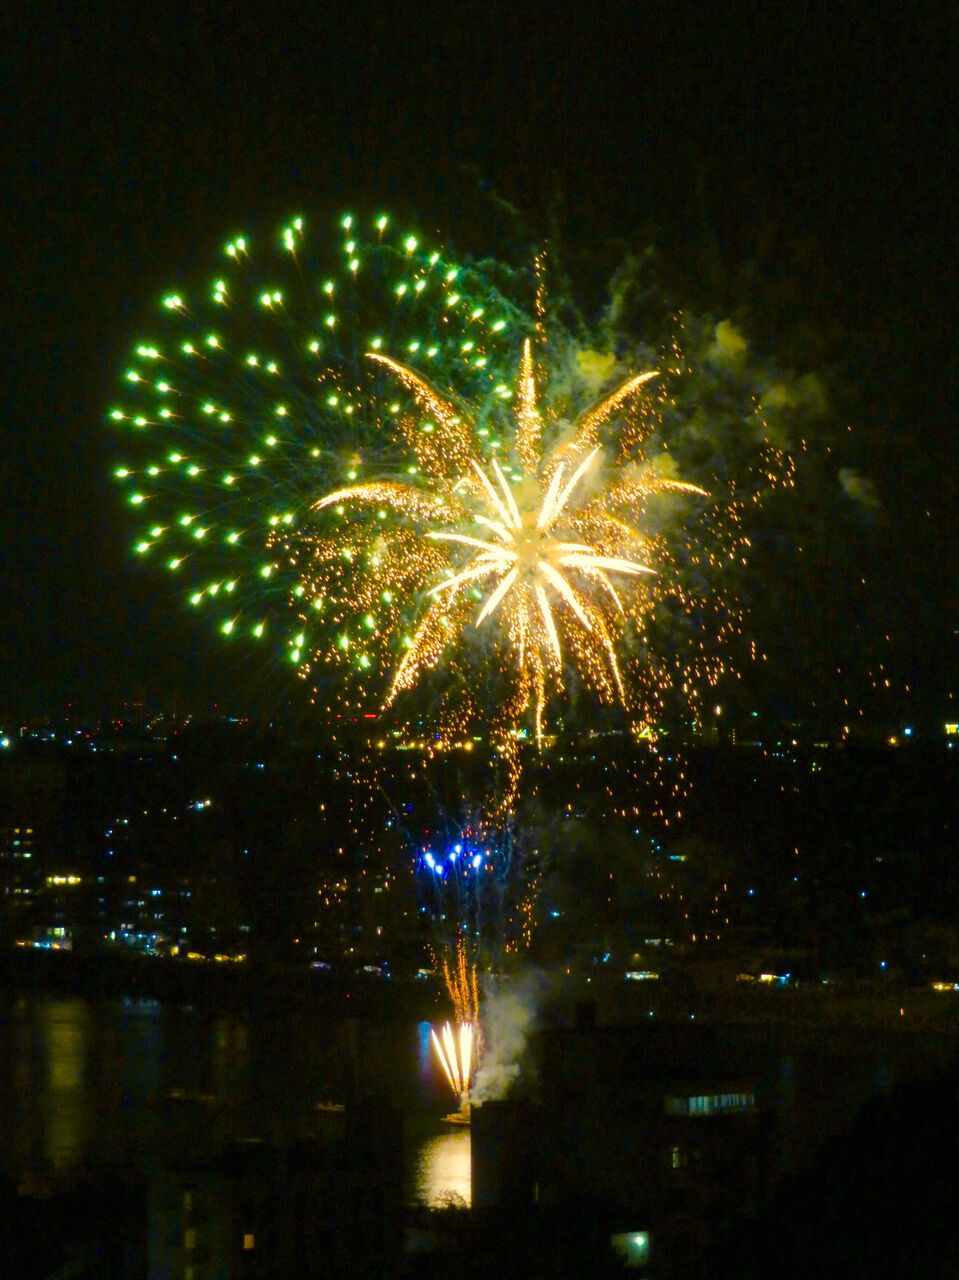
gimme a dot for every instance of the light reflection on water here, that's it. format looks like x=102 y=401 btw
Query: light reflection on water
x=424 y=1050
x=438 y=1164
x=439 y=1174
x=64 y=1045
x=137 y=1083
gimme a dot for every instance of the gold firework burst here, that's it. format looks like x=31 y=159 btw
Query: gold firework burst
x=541 y=554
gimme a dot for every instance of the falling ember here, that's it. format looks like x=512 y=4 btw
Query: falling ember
x=462 y=987
x=455 y=1053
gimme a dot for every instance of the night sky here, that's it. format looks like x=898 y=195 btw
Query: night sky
x=817 y=143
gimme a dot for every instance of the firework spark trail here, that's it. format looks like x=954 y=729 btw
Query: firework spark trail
x=456 y=1057
x=458 y=886
x=457 y=1052
x=462 y=985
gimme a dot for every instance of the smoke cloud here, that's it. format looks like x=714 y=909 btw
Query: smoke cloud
x=509 y=1016
x=728 y=345
x=859 y=488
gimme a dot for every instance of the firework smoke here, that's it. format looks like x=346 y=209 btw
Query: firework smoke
x=509 y=1016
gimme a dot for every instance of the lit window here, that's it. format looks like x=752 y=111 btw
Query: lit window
x=248 y=1240
x=707 y=1104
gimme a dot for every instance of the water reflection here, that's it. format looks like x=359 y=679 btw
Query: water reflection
x=440 y=1173
x=137 y=1084
x=64 y=1027
x=424 y=1051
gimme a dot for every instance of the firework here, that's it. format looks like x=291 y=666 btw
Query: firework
x=461 y=983
x=343 y=449
x=541 y=555
x=251 y=396
x=455 y=1053
x=469 y=890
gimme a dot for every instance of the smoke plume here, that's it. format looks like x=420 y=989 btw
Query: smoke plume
x=509 y=1015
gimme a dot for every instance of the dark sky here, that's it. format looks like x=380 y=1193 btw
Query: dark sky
x=137 y=136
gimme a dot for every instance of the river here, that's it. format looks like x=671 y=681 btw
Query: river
x=135 y=1084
